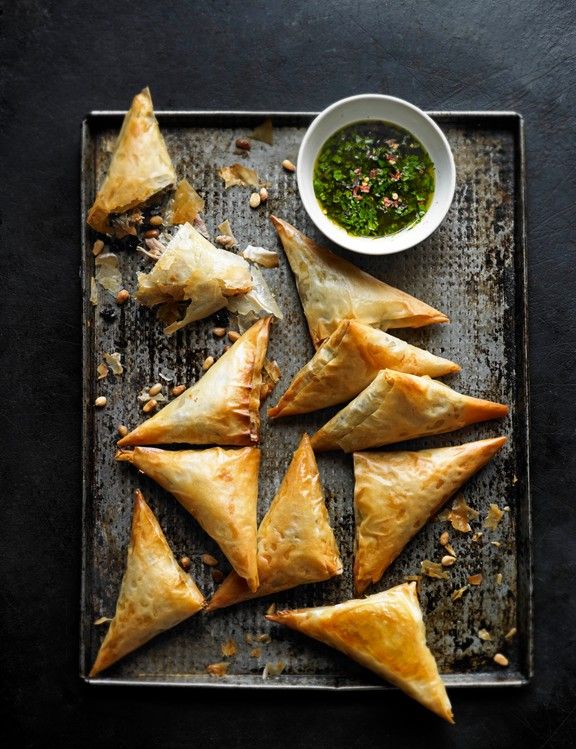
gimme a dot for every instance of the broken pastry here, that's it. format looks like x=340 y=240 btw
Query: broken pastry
x=385 y=633
x=296 y=544
x=156 y=594
x=193 y=271
x=347 y=362
x=396 y=493
x=222 y=408
x=331 y=289
x=140 y=167
x=398 y=406
x=219 y=488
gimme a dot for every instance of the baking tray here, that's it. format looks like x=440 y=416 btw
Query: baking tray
x=473 y=268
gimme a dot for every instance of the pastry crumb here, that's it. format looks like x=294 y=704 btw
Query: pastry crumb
x=217 y=669
x=229 y=648
x=460 y=515
x=273 y=669
x=475 y=579
x=456 y=594
x=483 y=634
x=511 y=633
x=433 y=569
x=493 y=518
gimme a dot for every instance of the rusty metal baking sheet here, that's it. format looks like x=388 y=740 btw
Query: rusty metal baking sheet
x=472 y=268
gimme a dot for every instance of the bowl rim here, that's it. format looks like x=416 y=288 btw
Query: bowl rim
x=392 y=243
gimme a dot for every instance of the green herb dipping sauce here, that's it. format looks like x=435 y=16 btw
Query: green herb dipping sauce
x=374 y=179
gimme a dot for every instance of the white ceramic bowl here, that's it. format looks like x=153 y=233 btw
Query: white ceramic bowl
x=398 y=112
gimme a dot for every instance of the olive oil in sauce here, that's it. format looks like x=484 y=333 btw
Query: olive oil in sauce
x=374 y=179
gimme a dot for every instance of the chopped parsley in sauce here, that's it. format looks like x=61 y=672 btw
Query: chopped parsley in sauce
x=374 y=179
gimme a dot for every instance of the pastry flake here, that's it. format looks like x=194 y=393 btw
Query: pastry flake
x=155 y=595
x=222 y=408
x=347 y=362
x=397 y=407
x=385 y=633
x=187 y=204
x=332 y=289
x=396 y=494
x=140 y=167
x=219 y=488
x=193 y=271
x=296 y=544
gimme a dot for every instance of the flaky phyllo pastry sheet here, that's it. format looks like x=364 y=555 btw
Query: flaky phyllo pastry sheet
x=219 y=488
x=296 y=544
x=331 y=289
x=397 y=493
x=397 y=407
x=347 y=362
x=385 y=633
x=156 y=594
x=222 y=408
x=140 y=167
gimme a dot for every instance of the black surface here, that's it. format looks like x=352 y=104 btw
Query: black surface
x=59 y=60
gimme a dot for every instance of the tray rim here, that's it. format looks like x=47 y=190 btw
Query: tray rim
x=520 y=678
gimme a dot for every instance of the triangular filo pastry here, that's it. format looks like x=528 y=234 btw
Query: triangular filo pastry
x=397 y=407
x=193 y=270
x=296 y=544
x=347 y=362
x=219 y=488
x=332 y=289
x=385 y=633
x=396 y=494
x=222 y=408
x=140 y=167
x=156 y=594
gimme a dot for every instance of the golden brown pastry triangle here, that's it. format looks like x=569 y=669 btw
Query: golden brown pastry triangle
x=296 y=544
x=396 y=493
x=219 y=488
x=398 y=406
x=347 y=362
x=140 y=166
x=385 y=633
x=222 y=408
x=331 y=289
x=156 y=594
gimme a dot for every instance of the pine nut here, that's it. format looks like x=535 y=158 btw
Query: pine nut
x=233 y=335
x=219 y=332
x=151 y=234
x=288 y=165
x=156 y=221
x=263 y=194
x=217 y=576
x=122 y=430
x=209 y=560
x=501 y=660
x=155 y=389
x=444 y=538
x=178 y=389
x=122 y=296
x=97 y=247
x=207 y=363
x=243 y=143
x=100 y=401
x=254 y=200
x=448 y=561
x=185 y=563
x=149 y=406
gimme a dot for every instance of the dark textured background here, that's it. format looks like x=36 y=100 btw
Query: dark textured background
x=60 y=59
